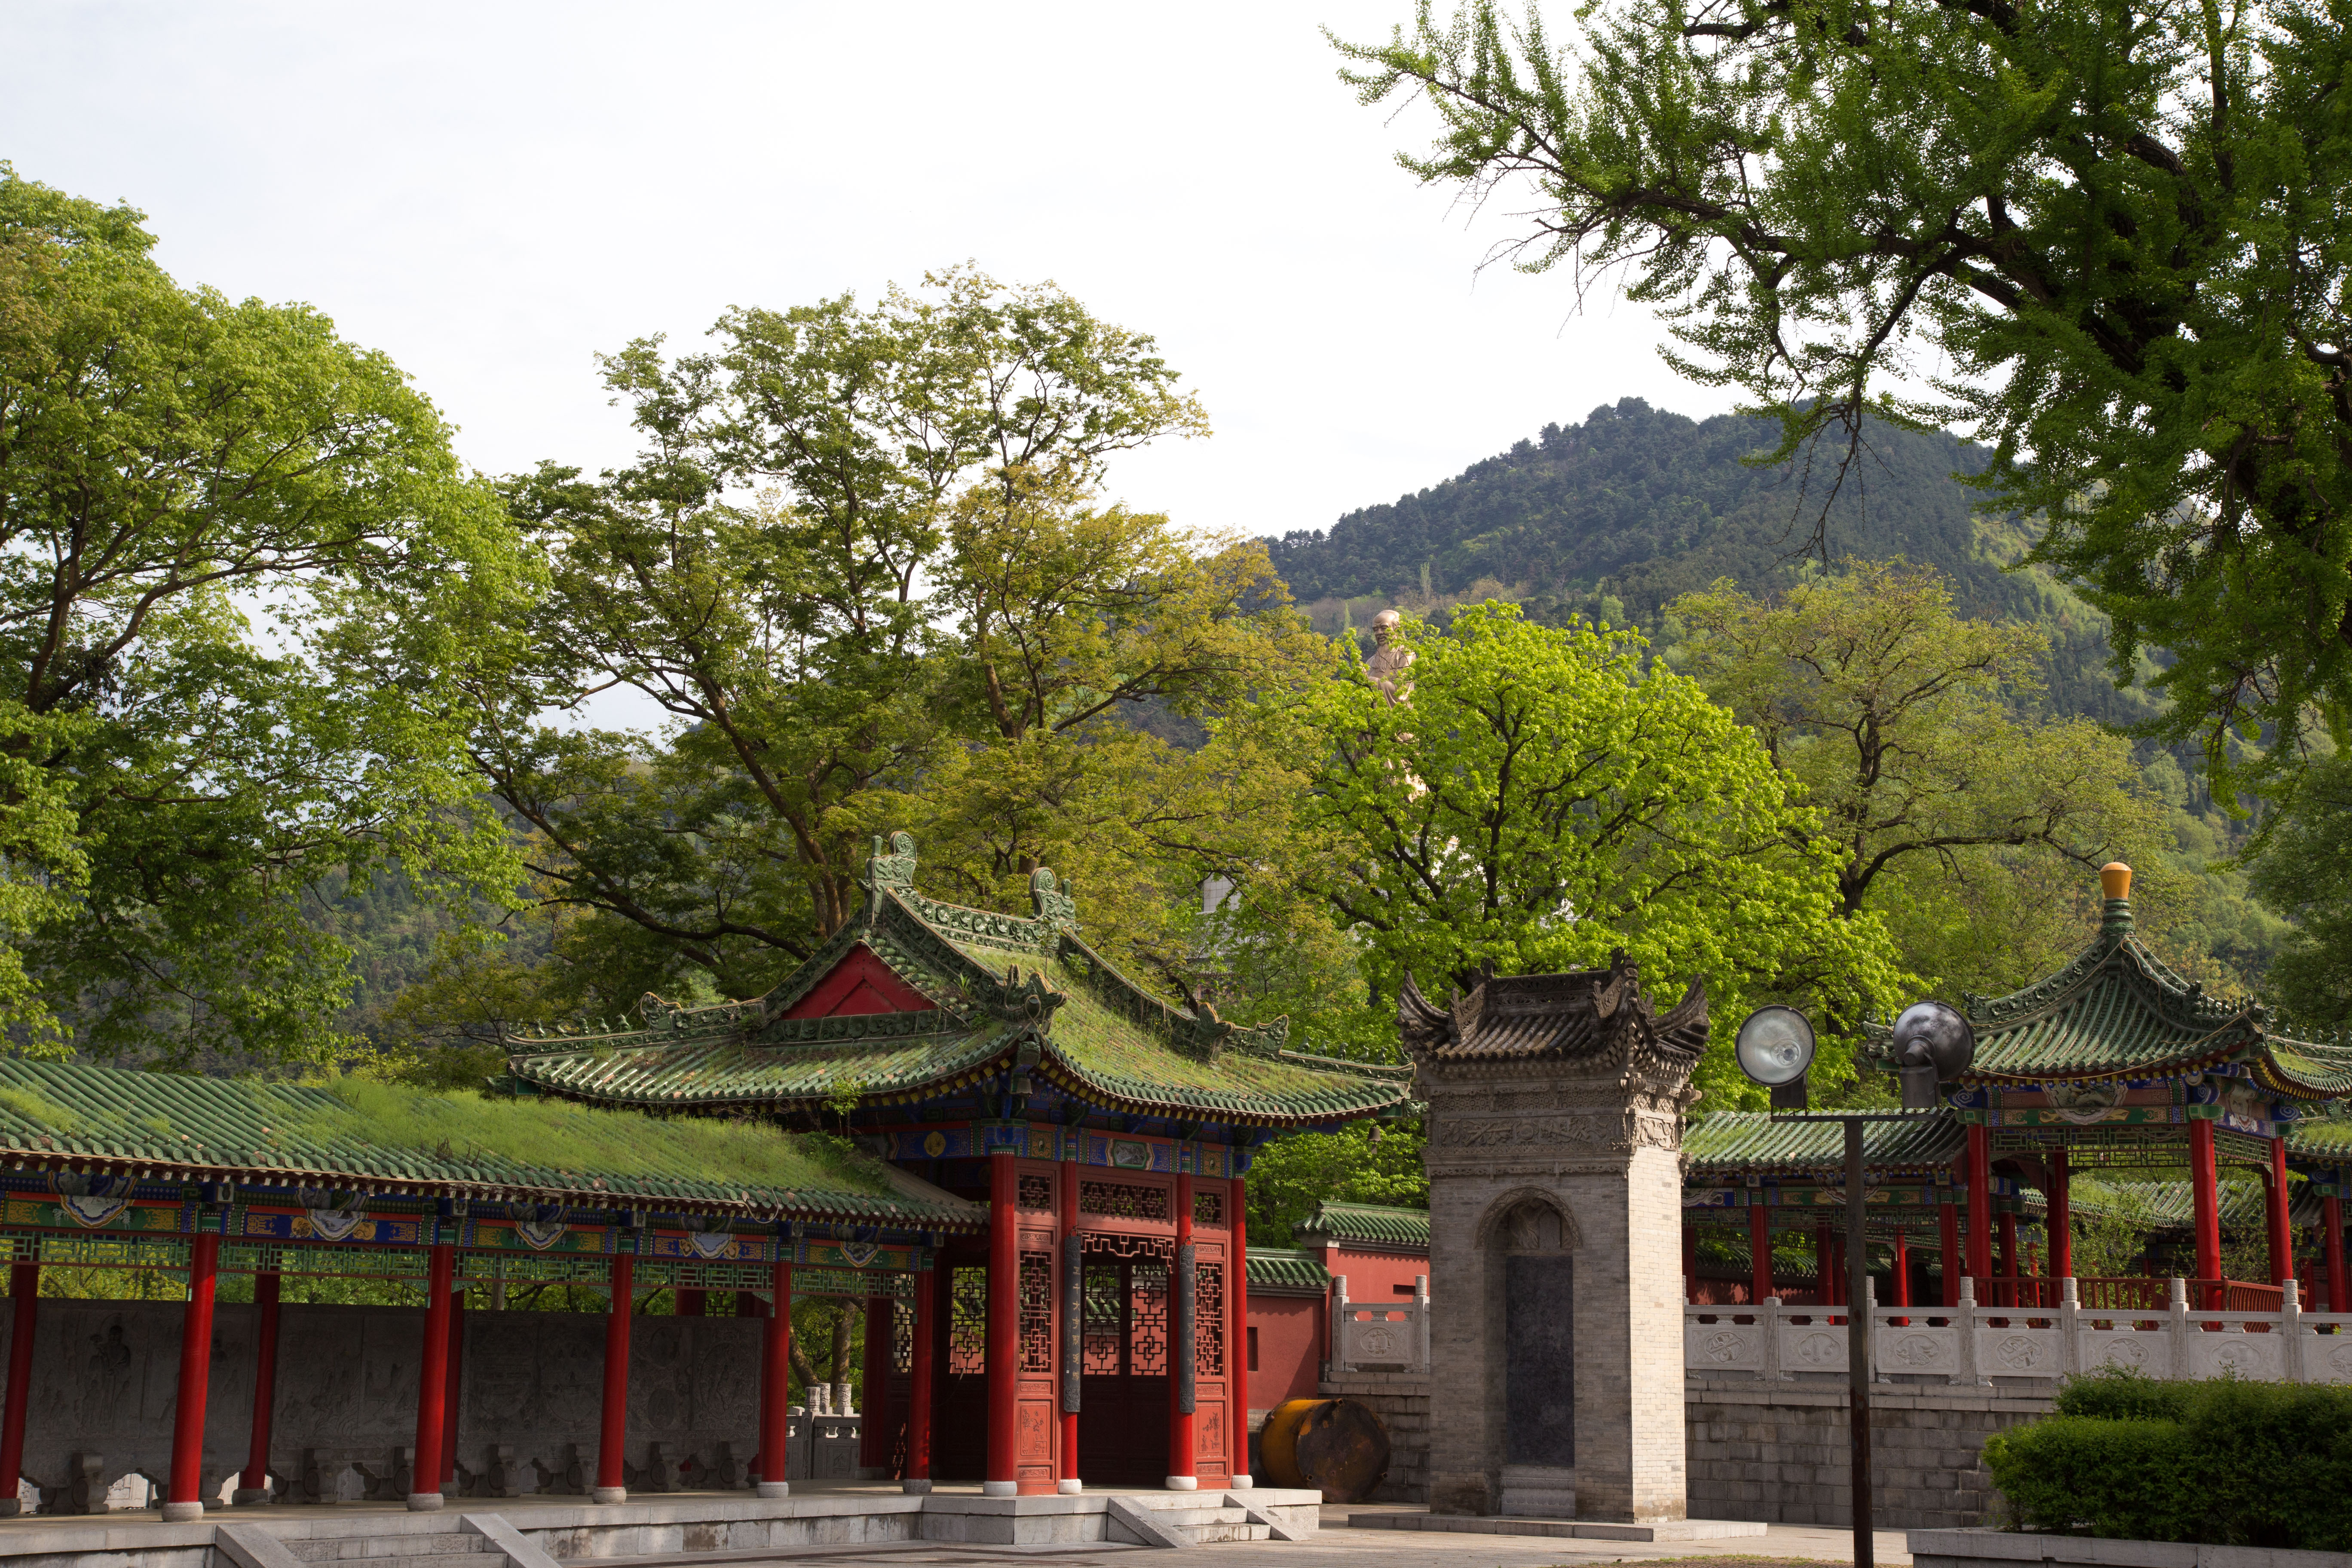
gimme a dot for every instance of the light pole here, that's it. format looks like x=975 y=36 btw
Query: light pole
x=1775 y=1048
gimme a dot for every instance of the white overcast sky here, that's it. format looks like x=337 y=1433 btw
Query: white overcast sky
x=493 y=192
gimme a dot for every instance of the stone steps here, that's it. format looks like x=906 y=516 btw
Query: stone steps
x=1210 y=1519
x=444 y=1549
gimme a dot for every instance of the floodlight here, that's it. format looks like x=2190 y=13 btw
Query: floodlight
x=1775 y=1046
x=1931 y=1032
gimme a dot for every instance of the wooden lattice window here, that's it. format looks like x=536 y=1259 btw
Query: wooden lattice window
x=1146 y=1324
x=1037 y=1311
x=1208 y=1208
x=968 y=1320
x=1123 y=1199
x=1035 y=1192
x=1208 y=1320
x=1105 y=1324
x=902 y=1336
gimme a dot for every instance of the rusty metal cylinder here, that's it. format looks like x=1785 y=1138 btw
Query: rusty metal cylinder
x=1337 y=1447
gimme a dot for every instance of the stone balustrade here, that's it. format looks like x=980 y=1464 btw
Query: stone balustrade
x=1390 y=1336
x=1973 y=1346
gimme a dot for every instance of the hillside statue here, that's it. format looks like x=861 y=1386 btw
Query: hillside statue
x=1391 y=661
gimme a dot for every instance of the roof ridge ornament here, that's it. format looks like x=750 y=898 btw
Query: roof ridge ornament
x=1056 y=908
x=2115 y=884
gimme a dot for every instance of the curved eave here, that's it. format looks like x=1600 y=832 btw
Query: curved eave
x=1240 y=1109
x=2199 y=1059
x=300 y=1168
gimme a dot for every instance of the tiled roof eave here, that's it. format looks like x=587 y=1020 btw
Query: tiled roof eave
x=1232 y=1109
x=821 y=1204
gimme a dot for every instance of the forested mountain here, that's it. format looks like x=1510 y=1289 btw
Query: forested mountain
x=1618 y=515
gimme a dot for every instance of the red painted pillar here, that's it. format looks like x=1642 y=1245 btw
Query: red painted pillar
x=185 y=1499
x=880 y=1315
x=2281 y=1243
x=1237 y=1338
x=1902 y=1269
x=1004 y=1327
x=776 y=1381
x=1979 y=1259
x=2331 y=1222
x=1759 y=1248
x=24 y=1307
x=456 y=1381
x=919 y=1381
x=1066 y=1478
x=2206 y=1201
x=1947 y=1226
x=1184 y=1471
x=690 y=1303
x=613 y=1434
x=2061 y=1224
x=432 y=1382
x=253 y=1486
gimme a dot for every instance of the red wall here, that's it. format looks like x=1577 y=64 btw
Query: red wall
x=1289 y=1331
x=1374 y=1276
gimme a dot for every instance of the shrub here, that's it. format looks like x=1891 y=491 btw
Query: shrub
x=2225 y=1463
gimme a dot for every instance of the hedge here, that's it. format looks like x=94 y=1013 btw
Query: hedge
x=2225 y=1463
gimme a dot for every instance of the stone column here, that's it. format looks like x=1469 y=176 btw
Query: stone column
x=1554 y=1134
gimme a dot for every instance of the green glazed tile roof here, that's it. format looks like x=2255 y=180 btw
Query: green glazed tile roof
x=1381 y=1227
x=360 y=1133
x=1010 y=991
x=2171 y=1205
x=2321 y=1138
x=1745 y=1143
x=1283 y=1271
x=2119 y=1011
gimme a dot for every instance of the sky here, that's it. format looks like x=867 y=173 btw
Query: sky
x=493 y=193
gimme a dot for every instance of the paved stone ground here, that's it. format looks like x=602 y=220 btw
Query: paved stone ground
x=1782 y=1546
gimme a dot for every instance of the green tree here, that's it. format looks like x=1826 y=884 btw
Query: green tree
x=859 y=566
x=1358 y=1164
x=2304 y=871
x=2111 y=239
x=1902 y=721
x=245 y=580
x=1546 y=799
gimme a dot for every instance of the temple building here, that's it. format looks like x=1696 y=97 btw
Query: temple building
x=2113 y=1064
x=1096 y=1330
x=1027 y=1171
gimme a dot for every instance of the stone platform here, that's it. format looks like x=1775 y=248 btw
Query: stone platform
x=1564 y=1529
x=540 y=1533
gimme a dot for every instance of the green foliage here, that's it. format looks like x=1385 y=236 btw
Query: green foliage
x=1615 y=518
x=2112 y=241
x=859 y=565
x=1545 y=800
x=173 y=467
x=1290 y=1175
x=2304 y=870
x=562 y=1136
x=2130 y=1458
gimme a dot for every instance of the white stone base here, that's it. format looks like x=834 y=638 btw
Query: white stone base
x=1183 y=1483
x=915 y=1488
x=603 y=1494
x=775 y=1489
x=248 y=1496
x=1239 y=1484
x=181 y=1512
x=1000 y=1489
x=1069 y=1486
x=424 y=1502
